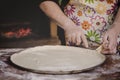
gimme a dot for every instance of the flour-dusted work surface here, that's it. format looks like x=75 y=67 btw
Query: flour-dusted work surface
x=110 y=70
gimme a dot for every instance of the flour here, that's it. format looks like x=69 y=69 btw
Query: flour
x=47 y=77
x=10 y=50
x=2 y=64
x=115 y=57
x=114 y=67
x=2 y=53
x=9 y=74
x=32 y=76
x=82 y=76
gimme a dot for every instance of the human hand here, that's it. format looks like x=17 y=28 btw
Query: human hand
x=110 y=41
x=76 y=36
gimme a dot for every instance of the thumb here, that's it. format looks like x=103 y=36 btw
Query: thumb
x=105 y=41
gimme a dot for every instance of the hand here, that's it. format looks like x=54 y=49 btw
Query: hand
x=75 y=35
x=110 y=41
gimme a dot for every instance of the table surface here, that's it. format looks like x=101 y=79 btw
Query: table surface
x=109 y=70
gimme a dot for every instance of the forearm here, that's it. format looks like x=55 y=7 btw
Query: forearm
x=116 y=23
x=52 y=10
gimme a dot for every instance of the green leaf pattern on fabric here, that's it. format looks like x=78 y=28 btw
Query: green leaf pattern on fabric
x=93 y=16
x=93 y=36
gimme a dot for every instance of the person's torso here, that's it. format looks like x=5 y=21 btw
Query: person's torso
x=94 y=16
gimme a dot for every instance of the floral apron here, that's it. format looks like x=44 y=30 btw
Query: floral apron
x=94 y=16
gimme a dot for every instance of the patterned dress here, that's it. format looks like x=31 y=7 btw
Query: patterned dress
x=94 y=16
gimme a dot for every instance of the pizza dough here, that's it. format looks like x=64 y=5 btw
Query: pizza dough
x=57 y=59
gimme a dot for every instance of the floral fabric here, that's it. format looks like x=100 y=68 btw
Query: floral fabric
x=93 y=16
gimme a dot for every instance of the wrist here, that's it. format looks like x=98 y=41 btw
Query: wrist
x=69 y=25
x=116 y=23
x=116 y=27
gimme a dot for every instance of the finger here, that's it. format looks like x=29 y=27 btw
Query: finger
x=84 y=41
x=67 y=43
x=73 y=38
x=78 y=40
x=113 y=51
x=112 y=48
x=105 y=42
x=105 y=45
x=105 y=38
x=112 y=45
x=105 y=51
x=68 y=40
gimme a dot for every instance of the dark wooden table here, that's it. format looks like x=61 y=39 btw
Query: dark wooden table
x=110 y=70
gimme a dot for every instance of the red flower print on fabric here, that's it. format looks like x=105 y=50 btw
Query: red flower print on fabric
x=75 y=20
x=69 y=9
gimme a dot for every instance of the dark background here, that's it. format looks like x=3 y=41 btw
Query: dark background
x=25 y=11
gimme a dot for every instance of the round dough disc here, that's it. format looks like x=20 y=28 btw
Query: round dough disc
x=57 y=59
